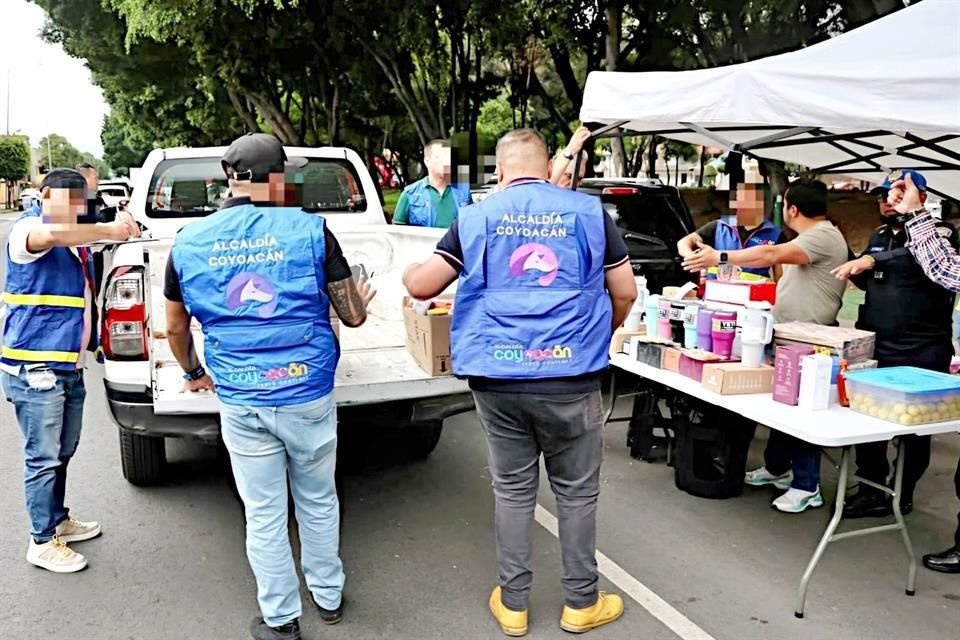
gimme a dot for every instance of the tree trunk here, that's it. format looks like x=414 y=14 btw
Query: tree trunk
x=333 y=118
x=242 y=111
x=280 y=124
x=618 y=157
x=652 y=157
x=703 y=151
x=676 y=173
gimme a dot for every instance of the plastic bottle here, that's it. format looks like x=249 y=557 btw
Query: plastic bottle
x=842 y=385
x=778 y=211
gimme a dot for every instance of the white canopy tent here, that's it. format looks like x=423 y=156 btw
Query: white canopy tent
x=884 y=96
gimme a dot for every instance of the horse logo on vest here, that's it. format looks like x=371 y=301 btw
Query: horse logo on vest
x=537 y=258
x=251 y=288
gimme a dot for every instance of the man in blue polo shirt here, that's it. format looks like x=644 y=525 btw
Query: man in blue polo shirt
x=544 y=279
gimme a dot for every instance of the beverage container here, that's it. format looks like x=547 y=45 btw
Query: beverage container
x=723 y=333
x=842 y=397
x=677 y=308
x=651 y=308
x=690 y=313
x=664 y=330
x=757 y=332
x=705 y=329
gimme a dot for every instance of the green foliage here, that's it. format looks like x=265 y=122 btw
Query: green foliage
x=14 y=158
x=57 y=153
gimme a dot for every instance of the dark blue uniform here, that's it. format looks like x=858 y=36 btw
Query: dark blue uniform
x=912 y=318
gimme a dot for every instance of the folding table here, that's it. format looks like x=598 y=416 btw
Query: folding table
x=833 y=427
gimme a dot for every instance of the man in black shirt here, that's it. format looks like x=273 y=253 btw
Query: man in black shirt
x=544 y=278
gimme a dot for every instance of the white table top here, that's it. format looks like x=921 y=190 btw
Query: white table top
x=833 y=427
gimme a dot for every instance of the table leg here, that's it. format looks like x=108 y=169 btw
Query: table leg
x=897 y=492
x=827 y=535
x=613 y=396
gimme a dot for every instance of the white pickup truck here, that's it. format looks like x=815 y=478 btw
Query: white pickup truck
x=378 y=383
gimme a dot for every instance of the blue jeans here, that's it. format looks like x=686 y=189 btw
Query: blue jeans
x=784 y=452
x=267 y=446
x=49 y=408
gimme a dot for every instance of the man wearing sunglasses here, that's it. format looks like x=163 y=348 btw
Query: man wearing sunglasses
x=912 y=318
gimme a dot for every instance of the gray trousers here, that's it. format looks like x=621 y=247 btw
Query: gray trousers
x=568 y=430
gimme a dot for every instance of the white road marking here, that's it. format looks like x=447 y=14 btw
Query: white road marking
x=641 y=594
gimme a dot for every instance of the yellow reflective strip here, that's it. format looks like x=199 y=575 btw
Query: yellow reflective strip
x=34 y=299
x=29 y=355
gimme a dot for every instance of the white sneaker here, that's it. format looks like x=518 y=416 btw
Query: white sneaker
x=761 y=477
x=55 y=556
x=797 y=501
x=73 y=530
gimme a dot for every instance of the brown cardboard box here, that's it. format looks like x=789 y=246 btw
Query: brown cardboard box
x=733 y=378
x=852 y=345
x=671 y=360
x=620 y=336
x=428 y=340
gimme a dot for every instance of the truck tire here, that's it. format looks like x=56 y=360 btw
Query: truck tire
x=142 y=458
x=421 y=438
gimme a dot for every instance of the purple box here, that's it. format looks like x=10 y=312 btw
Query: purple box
x=786 y=375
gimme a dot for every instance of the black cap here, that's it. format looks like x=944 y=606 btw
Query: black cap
x=64 y=179
x=257 y=154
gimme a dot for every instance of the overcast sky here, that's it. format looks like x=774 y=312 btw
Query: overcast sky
x=50 y=92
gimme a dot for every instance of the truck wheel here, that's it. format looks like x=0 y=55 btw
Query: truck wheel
x=142 y=457
x=421 y=438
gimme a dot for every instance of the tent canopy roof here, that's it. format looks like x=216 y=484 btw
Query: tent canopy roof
x=884 y=96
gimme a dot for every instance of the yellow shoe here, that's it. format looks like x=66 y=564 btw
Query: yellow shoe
x=513 y=623
x=607 y=609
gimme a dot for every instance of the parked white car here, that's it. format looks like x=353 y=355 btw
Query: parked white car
x=113 y=193
x=378 y=383
x=28 y=197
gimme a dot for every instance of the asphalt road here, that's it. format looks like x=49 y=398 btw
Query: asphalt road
x=419 y=552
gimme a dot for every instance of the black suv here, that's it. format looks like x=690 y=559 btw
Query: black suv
x=652 y=217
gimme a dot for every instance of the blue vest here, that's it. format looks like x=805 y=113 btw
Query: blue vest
x=45 y=303
x=254 y=279
x=531 y=301
x=728 y=239
x=421 y=212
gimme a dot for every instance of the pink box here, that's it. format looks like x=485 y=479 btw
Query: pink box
x=786 y=376
x=692 y=363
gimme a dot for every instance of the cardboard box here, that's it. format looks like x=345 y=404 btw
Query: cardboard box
x=671 y=360
x=786 y=363
x=852 y=345
x=428 y=340
x=740 y=292
x=621 y=336
x=734 y=378
x=692 y=362
x=650 y=353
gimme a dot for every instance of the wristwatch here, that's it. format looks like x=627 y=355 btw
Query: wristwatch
x=724 y=257
x=195 y=374
x=567 y=155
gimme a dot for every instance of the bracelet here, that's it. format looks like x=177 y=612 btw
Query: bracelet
x=195 y=374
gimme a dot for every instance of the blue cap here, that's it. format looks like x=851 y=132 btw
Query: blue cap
x=900 y=174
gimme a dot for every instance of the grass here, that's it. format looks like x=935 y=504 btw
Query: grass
x=390 y=197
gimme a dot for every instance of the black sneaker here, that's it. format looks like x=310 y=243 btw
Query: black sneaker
x=331 y=616
x=260 y=630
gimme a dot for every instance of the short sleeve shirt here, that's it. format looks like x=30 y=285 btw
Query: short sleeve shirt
x=809 y=292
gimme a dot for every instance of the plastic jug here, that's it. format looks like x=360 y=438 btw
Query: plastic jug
x=651 y=309
x=723 y=333
x=757 y=322
x=705 y=329
x=663 y=319
x=677 y=308
x=690 y=313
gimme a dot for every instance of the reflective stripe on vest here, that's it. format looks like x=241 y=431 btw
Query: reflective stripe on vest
x=30 y=355
x=40 y=299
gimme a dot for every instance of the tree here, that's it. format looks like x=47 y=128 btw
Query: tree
x=57 y=152
x=14 y=161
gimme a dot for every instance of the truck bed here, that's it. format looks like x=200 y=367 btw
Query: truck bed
x=374 y=363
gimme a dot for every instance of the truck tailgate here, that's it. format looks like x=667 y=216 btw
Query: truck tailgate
x=363 y=377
